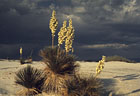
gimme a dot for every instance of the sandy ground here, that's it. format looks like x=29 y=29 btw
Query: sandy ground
x=119 y=78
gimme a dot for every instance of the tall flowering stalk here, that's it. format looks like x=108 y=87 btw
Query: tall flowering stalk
x=100 y=66
x=69 y=37
x=20 y=51
x=62 y=34
x=53 y=26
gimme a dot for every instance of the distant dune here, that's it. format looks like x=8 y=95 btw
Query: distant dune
x=119 y=78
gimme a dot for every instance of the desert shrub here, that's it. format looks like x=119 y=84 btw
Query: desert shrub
x=84 y=86
x=59 y=68
x=118 y=58
x=31 y=79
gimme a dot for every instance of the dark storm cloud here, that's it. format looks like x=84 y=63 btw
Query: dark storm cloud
x=21 y=22
x=26 y=23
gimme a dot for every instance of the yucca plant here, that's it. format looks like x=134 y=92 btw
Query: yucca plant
x=59 y=68
x=31 y=79
x=84 y=86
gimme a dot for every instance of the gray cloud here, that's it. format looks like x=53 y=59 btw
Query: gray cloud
x=115 y=46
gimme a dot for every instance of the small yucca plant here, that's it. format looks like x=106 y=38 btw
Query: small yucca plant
x=31 y=79
x=60 y=67
x=84 y=86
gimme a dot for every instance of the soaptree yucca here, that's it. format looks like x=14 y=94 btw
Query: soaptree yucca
x=59 y=68
x=84 y=86
x=31 y=79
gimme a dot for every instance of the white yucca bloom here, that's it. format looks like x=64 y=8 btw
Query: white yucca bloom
x=100 y=65
x=69 y=37
x=53 y=25
x=20 y=51
x=62 y=33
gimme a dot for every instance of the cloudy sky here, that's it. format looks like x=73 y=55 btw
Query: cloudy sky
x=102 y=27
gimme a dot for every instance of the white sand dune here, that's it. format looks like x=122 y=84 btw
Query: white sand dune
x=119 y=78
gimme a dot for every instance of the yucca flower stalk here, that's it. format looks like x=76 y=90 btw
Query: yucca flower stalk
x=100 y=66
x=69 y=37
x=21 y=59
x=53 y=25
x=20 y=51
x=62 y=34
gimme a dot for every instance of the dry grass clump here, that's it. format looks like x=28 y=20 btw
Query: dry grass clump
x=59 y=68
x=84 y=86
x=31 y=79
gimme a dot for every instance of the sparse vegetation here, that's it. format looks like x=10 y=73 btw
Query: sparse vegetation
x=118 y=58
x=59 y=76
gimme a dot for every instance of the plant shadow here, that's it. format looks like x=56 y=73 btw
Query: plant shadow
x=3 y=91
x=134 y=91
x=109 y=87
x=128 y=77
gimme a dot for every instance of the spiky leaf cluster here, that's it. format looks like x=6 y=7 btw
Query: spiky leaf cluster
x=84 y=86
x=31 y=79
x=70 y=37
x=57 y=61
x=55 y=83
x=60 y=67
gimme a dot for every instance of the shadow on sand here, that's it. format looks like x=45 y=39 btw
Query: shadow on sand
x=128 y=77
x=3 y=91
x=109 y=86
x=134 y=91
